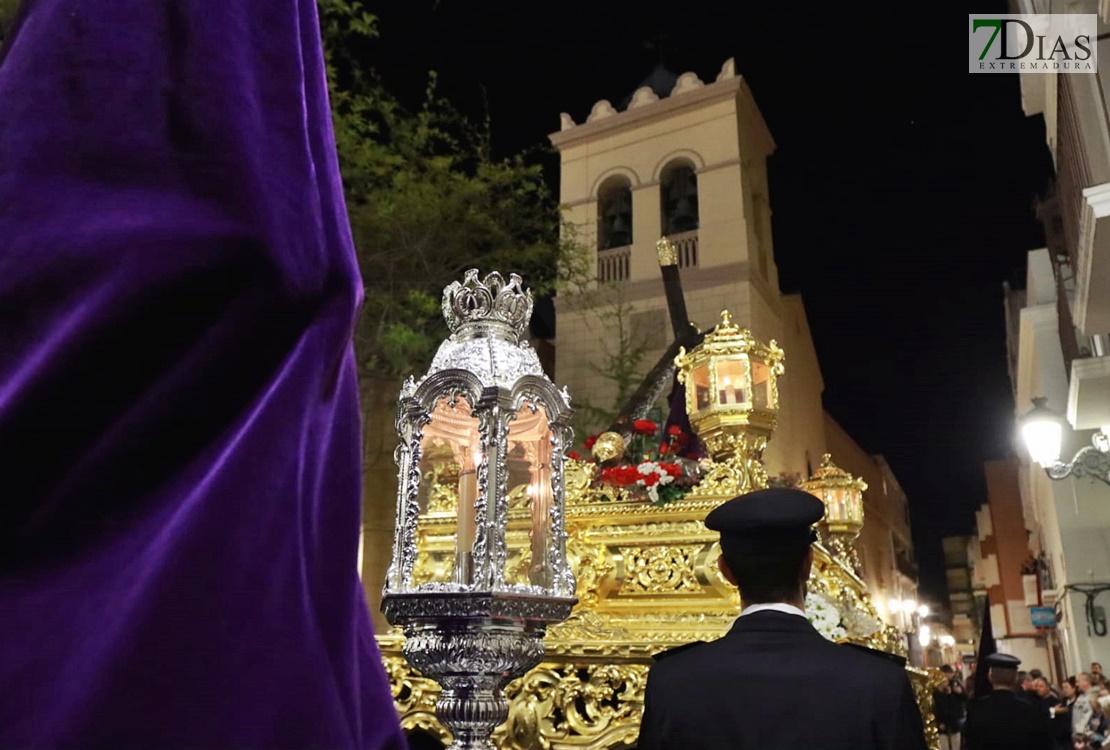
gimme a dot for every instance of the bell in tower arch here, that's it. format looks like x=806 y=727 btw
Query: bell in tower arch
x=680 y=201
x=616 y=218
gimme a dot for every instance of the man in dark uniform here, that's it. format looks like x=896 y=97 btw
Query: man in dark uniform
x=1003 y=720
x=773 y=682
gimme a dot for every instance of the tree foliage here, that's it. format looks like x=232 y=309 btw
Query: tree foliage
x=624 y=354
x=8 y=9
x=427 y=200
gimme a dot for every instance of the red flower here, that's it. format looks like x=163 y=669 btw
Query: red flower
x=620 y=476
x=644 y=427
x=678 y=438
x=673 y=469
x=574 y=455
x=651 y=479
x=589 y=444
x=664 y=449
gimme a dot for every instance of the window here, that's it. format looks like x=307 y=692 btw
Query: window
x=679 y=199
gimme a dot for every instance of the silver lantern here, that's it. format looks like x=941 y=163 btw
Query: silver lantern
x=479 y=566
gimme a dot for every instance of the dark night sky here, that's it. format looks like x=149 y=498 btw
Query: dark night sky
x=902 y=189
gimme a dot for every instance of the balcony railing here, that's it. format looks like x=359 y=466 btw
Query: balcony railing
x=686 y=247
x=614 y=264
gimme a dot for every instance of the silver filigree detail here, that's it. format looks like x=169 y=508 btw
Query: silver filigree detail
x=494 y=361
x=482 y=540
x=488 y=306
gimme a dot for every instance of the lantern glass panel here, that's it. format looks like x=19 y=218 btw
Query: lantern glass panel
x=834 y=502
x=450 y=454
x=733 y=381
x=700 y=377
x=762 y=395
x=856 y=505
x=529 y=466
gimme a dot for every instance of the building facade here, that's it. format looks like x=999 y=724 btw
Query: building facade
x=1069 y=520
x=1005 y=553
x=1059 y=339
x=885 y=544
x=960 y=554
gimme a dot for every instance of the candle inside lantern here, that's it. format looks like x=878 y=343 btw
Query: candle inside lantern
x=539 y=492
x=728 y=392
x=467 y=524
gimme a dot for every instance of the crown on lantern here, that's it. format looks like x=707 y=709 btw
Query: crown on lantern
x=491 y=305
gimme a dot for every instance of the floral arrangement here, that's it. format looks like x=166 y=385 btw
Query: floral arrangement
x=825 y=617
x=655 y=468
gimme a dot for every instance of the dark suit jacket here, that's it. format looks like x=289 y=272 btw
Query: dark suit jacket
x=1004 y=721
x=774 y=683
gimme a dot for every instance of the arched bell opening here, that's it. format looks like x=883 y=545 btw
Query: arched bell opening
x=678 y=195
x=614 y=213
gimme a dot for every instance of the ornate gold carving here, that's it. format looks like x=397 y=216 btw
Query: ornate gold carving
x=575 y=705
x=666 y=251
x=592 y=564
x=844 y=546
x=578 y=476
x=584 y=625
x=923 y=682
x=609 y=445
x=662 y=569
x=742 y=472
x=414 y=695
x=433 y=565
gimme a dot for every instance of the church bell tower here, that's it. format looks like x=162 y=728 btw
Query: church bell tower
x=681 y=159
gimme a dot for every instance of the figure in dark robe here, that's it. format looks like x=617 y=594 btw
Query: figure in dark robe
x=179 y=432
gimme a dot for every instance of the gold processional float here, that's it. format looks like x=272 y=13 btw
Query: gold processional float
x=644 y=564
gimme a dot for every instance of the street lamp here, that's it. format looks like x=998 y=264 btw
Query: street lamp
x=1043 y=430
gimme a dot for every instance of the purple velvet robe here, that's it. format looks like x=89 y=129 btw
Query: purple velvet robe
x=179 y=445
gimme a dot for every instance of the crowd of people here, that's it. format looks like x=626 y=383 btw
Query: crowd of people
x=1078 y=709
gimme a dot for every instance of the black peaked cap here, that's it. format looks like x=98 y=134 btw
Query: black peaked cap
x=1002 y=661
x=779 y=510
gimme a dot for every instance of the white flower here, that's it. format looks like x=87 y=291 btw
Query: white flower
x=824 y=617
x=860 y=624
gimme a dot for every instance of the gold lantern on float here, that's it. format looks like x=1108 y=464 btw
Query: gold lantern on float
x=842 y=495
x=732 y=399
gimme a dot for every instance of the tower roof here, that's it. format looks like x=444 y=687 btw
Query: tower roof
x=661 y=80
x=661 y=85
